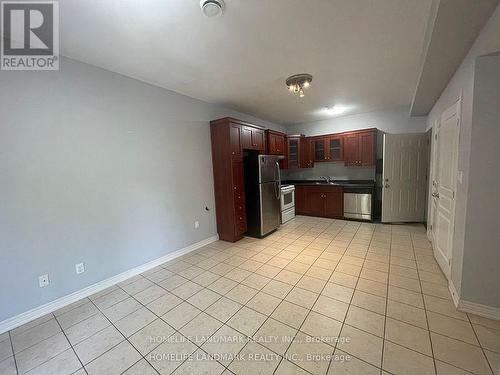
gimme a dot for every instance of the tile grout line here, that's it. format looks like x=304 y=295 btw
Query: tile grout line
x=353 y=292
x=269 y=316
x=319 y=294
x=13 y=354
x=386 y=303
x=125 y=339
x=240 y=282
x=425 y=310
x=281 y=358
x=47 y=360
x=480 y=345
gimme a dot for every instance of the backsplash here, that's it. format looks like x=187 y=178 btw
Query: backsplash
x=336 y=171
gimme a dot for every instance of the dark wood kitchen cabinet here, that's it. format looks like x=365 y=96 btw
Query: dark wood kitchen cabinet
x=335 y=148
x=230 y=137
x=360 y=148
x=334 y=205
x=252 y=138
x=239 y=195
x=300 y=200
x=307 y=152
x=235 y=139
x=294 y=151
x=275 y=142
x=328 y=148
x=315 y=202
x=322 y=201
x=319 y=149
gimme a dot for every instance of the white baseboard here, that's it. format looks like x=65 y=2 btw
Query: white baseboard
x=49 y=307
x=478 y=309
x=454 y=294
x=472 y=307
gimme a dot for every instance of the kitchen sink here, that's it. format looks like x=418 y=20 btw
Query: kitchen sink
x=326 y=183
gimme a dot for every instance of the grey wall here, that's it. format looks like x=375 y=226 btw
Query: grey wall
x=462 y=84
x=481 y=263
x=393 y=120
x=96 y=168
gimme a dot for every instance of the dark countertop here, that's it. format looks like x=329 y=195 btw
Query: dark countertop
x=343 y=183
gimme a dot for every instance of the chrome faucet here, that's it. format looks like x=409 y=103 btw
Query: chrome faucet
x=326 y=178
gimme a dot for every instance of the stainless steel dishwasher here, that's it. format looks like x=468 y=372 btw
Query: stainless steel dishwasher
x=358 y=203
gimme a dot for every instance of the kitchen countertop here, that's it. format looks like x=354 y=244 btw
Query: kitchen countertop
x=343 y=183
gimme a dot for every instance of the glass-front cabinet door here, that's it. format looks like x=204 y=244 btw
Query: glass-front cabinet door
x=319 y=149
x=293 y=152
x=335 y=149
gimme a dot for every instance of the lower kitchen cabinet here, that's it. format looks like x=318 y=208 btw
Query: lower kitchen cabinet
x=334 y=203
x=321 y=201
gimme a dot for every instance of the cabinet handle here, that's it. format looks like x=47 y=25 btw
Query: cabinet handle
x=234 y=187
x=233 y=152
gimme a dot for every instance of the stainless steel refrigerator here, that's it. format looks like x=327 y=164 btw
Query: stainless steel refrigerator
x=263 y=189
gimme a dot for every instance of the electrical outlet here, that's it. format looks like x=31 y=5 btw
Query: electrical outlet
x=43 y=280
x=80 y=268
x=196 y=224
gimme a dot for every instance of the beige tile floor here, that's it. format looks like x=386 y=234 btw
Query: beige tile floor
x=317 y=297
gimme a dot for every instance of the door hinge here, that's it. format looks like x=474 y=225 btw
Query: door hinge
x=453 y=195
x=431 y=226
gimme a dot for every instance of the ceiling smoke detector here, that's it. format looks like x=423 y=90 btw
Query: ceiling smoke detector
x=212 y=8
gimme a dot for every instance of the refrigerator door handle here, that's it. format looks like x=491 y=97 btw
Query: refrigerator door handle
x=278 y=193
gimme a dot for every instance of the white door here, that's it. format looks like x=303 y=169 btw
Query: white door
x=444 y=186
x=431 y=228
x=404 y=188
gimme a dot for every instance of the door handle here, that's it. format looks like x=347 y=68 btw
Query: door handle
x=278 y=193
x=435 y=195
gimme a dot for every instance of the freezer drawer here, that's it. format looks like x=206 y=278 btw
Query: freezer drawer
x=358 y=206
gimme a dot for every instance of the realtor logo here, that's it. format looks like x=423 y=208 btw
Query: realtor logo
x=29 y=35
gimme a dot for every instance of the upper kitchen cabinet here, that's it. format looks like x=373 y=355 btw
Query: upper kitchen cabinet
x=368 y=148
x=319 y=148
x=307 y=153
x=335 y=148
x=328 y=148
x=235 y=139
x=360 y=148
x=252 y=138
x=294 y=151
x=275 y=142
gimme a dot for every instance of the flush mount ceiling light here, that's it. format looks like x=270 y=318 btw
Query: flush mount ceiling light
x=212 y=8
x=336 y=109
x=298 y=83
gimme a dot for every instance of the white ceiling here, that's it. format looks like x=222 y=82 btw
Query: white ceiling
x=362 y=53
